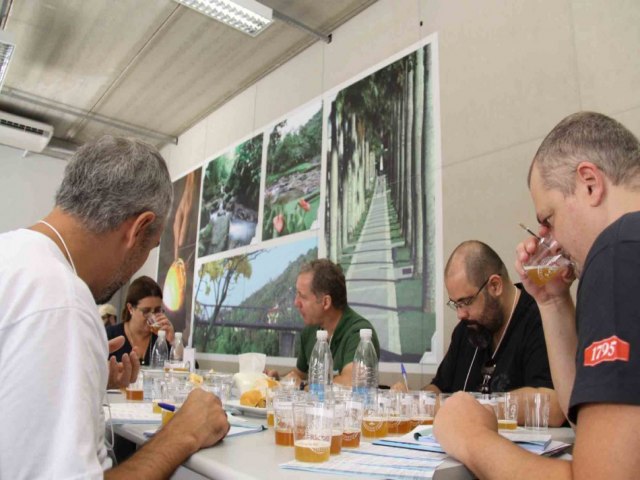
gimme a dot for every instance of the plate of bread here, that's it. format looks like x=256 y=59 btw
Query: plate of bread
x=253 y=400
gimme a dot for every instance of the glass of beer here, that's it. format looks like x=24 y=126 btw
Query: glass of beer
x=507 y=410
x=425 y=408
x=135 y=391
x=312 y=432
x=283 y=418
x=153 y=323
x=270 y=394
x=353 y=413
x=547 y=262
x=168 y=414
x=337 y=429
x=391 y=400
x=375 y=420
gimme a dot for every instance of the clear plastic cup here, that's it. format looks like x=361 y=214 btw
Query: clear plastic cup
x=220 y=385
x=353 y=414
x=152 y=321
x=507 y=410
x=313 y=426
x=270 y=394
x=547 y=262
x=283 y=419
x=425 y=408
x=441 y=399
x=337 y=428
x=536 y=413
x=135 y=391
x=375 y=420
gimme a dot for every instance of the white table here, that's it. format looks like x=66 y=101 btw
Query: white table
x=256 y=456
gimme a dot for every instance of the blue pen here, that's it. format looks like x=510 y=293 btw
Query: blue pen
x=167 y=406
x=404 y=376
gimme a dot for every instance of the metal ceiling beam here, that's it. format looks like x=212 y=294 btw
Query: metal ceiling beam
x=83 y=114
x=298 y=24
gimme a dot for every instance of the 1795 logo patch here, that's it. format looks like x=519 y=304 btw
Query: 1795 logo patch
x=607 y=350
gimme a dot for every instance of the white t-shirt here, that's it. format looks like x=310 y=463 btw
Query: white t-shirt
x=53 y=369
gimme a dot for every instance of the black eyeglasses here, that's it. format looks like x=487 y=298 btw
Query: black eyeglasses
x=465 y=302
x=487 y=370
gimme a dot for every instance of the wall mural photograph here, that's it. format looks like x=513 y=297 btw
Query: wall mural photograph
x=230 y=198
x=244 y=303
x=177 y=251
x=380 y=202
x=292 y=191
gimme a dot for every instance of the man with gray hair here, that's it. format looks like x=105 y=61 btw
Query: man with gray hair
x=109 y=213
x=585 y=185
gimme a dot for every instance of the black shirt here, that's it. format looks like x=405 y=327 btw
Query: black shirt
x=608 y=319
x=521 y=360
x=114 y=331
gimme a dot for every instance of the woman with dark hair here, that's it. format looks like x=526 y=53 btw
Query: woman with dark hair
x=142 y=317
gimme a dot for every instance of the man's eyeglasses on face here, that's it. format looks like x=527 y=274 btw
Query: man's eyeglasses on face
x=147 y=310
x=465 y=302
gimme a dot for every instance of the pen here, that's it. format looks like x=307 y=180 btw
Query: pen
x=167 y=406
x=525 y=228
x=404 y=376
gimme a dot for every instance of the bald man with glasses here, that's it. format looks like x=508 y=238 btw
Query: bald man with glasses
x=498 y=345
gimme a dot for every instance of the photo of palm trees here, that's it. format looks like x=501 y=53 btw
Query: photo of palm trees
x=380 y=205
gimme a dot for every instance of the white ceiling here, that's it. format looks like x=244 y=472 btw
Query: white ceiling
x=150 y=68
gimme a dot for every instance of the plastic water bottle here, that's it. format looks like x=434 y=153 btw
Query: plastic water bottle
x=320 y=366
x=364 y=380
x=160 y=353
x=177 y=349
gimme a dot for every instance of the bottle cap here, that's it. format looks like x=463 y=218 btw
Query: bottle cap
x=163 y=333
x=365 y=333
x=178 y=334
x=322 y=335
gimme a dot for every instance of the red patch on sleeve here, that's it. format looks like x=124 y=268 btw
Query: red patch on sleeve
x=607 y=350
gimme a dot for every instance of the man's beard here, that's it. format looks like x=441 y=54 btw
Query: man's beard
x=492 y=319
x=105 y=295
x=479 y=337
x=122 y=275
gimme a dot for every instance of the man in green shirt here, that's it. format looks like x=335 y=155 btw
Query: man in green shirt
x=321 y=299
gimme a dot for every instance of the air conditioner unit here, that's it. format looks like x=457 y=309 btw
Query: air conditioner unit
x=23 y=133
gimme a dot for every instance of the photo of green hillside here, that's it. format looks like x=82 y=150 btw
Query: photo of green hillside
x=244 y=303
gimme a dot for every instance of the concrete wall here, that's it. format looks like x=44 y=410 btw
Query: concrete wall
x=28 y=185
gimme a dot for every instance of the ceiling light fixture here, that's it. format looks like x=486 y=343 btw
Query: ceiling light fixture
x=7 y=47
x=248 y=16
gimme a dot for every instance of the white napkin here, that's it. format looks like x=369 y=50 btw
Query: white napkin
x=251 y=367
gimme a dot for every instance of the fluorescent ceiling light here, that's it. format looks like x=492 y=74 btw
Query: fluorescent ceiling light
x=6 y=50
x=248 y=16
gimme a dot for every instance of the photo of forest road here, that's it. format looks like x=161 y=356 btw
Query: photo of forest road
x=244 y=303
x=381 y=204
x=230 y=198
x=292 y=190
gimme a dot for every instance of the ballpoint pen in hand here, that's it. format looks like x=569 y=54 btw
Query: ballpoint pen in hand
x=404 y=376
